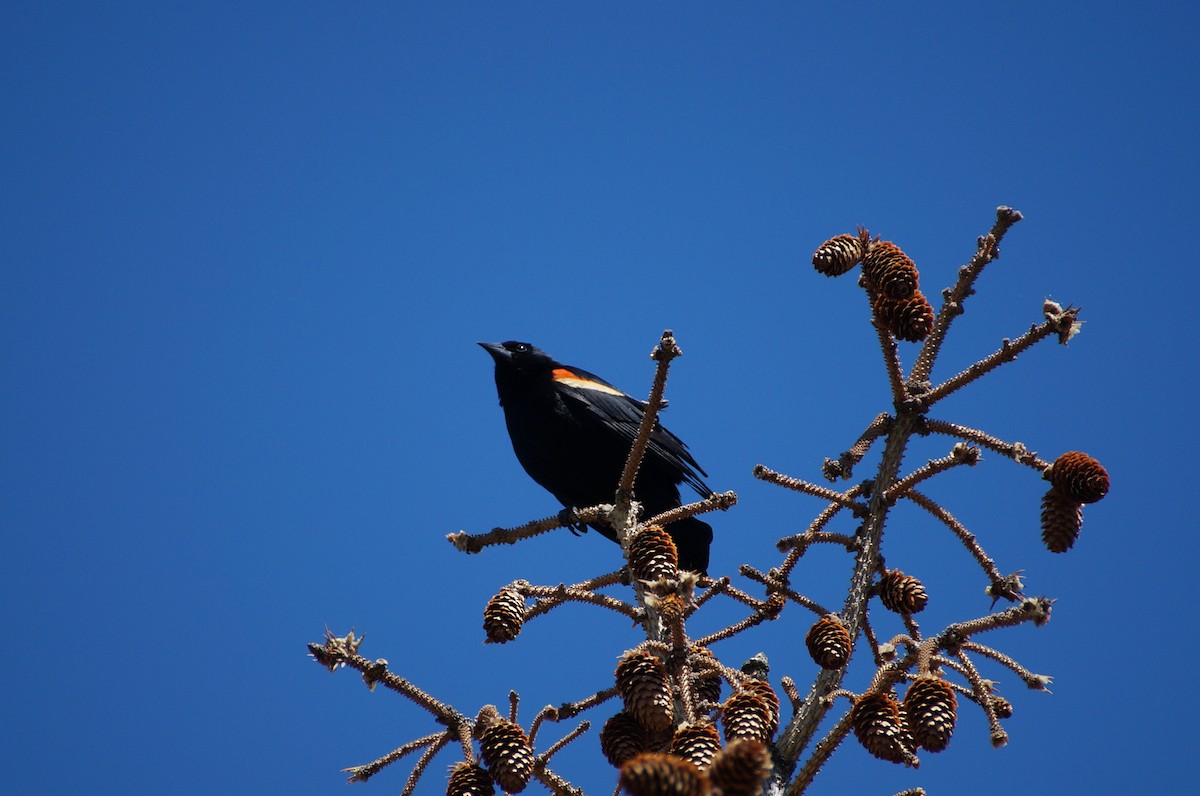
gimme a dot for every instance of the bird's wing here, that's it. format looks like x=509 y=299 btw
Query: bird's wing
x=623 y=413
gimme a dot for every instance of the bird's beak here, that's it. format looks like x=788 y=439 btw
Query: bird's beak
x=498 y=351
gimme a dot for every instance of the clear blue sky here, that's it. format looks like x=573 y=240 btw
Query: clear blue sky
x=247 y=250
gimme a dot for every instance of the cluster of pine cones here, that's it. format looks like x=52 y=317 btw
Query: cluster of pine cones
x=1075 y=478
x=890 y=277
x=893 y=731
x=657 y=755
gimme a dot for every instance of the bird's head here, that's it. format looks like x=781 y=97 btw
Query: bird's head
x=519 y=359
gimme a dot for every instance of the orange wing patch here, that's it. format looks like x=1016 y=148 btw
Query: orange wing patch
x=573 y=379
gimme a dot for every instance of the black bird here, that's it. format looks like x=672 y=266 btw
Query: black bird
x=572 y=431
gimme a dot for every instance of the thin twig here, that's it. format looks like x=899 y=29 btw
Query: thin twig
x=663 y=353
x=1008 y=351
x=1010 y=450
x=764 y=473
x=474 y=543
x=793 y=694
x=717 y=501
x=960 y=454
x=987 y=249
x=891 y=357
x=548 y=713
x=601 y=581
x=1031 y=609
x=983 y=698
x=365 y=772
x=802 y=541
x=556 y=784
x=717 y=587
x=568 y=710
x=422 y=763
x=552 y=597
x=781 y=588
x=869 y=635
x=545 y=756
x=375 y=672
x=843 y=466
x=796 y=546
x=966 y=537
x=743 y=597
x=755 y=619
x=820 y=756
x=969 y=693
x=1037 y=682
x=911 y=626
x=465 y=735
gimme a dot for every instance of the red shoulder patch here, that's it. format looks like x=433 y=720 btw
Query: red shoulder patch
x=572 y=379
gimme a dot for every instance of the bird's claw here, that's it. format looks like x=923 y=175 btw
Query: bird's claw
x=569 y=517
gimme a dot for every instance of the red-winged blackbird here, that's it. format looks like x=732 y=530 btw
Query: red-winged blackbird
x=572 y=431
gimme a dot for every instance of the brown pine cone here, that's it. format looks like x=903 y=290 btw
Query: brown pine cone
x=1078 y=476
x=642 y=682
x=503 y=616
x=622 y=738
x=1062 y=517
x=468 y=779
x=655 y=774
x=507 y=754
x=747 y=714
x=888 y=271
x=1002 y=707
x=762 y=688
x=672 y=608
x=741 y=768
x=931 y=708
x=696 y=743
x=902 y=593
x=879 y=727
x=908 y=319
x=839 y=254
x=828 y=642
x=653 y=555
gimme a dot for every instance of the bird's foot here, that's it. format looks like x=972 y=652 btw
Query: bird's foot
x=569 y=517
